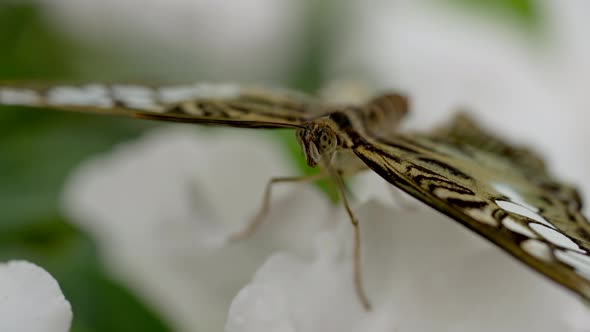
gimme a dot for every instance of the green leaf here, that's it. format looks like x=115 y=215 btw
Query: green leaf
x=24 y=37
x=524 y=12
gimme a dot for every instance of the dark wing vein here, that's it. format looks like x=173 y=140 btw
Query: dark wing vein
x=230 y=105
x=507 y=198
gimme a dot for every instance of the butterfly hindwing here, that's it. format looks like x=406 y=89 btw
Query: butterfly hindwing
x=224 y=104
x=498 y=191
x=463 y=130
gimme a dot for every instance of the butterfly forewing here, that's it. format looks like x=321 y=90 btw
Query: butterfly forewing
x=512 y=202
x=224 y=104
x=501 y=191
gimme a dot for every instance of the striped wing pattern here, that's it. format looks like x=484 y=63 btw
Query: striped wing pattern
x=222 y=104
x=499 y=191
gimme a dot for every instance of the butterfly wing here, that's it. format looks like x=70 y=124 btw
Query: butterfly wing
x=227 y=104
x=500 y=191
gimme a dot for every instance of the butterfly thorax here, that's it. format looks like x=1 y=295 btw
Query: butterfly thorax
x=337 y=131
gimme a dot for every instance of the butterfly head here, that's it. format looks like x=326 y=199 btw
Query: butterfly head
x=318 y=142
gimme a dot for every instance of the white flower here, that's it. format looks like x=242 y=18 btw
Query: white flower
x=30 y=300
x=422 y=271
x=423 y=274
x=163 y=207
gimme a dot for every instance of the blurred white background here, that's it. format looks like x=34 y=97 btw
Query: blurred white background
x=524 y=76
x=521 y=67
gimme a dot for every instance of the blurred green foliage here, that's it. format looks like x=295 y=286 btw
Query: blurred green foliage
x=29 y=49
x=40 y=148
x=522 y=12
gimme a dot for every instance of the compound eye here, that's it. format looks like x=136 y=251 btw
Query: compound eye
x=299 y=135
x=327 y=141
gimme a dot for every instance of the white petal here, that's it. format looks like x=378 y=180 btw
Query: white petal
x=162 y=207
x=417 y=264
x=578 y=319
x=31 y=300
x=440 y=270
x=290 y=293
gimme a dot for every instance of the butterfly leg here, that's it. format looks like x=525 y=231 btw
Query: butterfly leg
x=263 y=211
x=358 y=284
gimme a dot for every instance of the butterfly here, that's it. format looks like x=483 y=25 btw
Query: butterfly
x=501 y=191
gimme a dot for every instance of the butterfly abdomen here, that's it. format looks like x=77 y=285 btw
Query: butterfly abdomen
x=383 y=114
